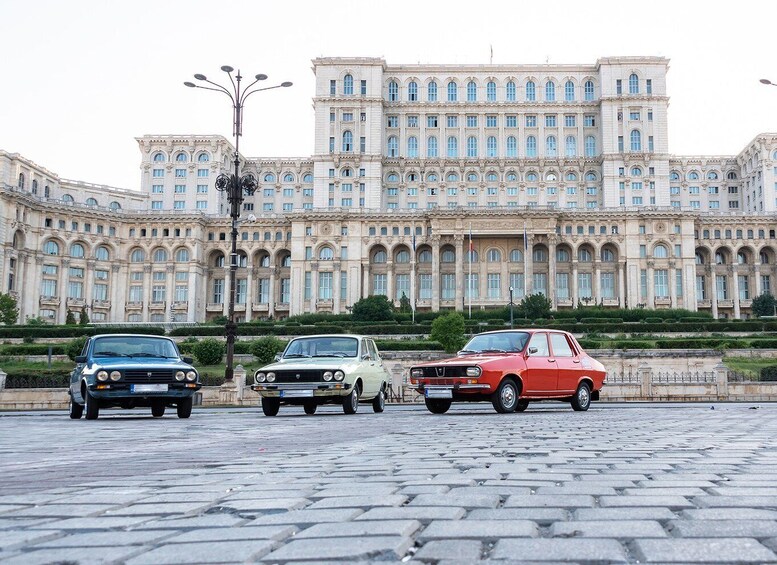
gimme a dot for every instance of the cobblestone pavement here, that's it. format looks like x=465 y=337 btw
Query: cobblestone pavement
x=637 y=483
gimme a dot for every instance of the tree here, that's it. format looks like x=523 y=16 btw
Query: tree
x=534 y=306
x=209 y=351
x=75 y=346
x=764 y=305
x=404 y=304
x=448 y=330
x=9 y=311
x=70 y=319
x=84 y=319
x=373 y=309
x=266 y=348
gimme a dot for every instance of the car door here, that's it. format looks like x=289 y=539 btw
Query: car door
x=541 y=376
x=75 y=375
x=372 y=368
x=567 y=360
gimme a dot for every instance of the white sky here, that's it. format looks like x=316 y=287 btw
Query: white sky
x=82 y=78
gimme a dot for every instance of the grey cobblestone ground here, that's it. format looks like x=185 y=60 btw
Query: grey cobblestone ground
x=647 y=483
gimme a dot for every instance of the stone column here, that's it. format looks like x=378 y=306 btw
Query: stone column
x=313 y=287
x=170 y=292
x=673 y=285
x=62 y=290
x=390 y=293
x=435 y=273
x=272 y=290
x=251 y=292
x=646 y=380
x=227 y=290
x=575 y=296
x=651 y=289
x=462 y=270
x=757 y=279
x=30 y=293
x=335 y=287
x=721 y=381
x=735 y=286
x=711 y=275
x=528 y=267
x=119 y=295
x=552 y=271
x=597 y=291
x=621 y=270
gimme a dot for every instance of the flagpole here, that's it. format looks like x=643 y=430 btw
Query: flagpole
x=469 y=283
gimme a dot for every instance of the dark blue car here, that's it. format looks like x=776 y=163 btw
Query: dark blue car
x=128 y=371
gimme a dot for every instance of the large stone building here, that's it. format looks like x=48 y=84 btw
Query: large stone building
x=455 y=185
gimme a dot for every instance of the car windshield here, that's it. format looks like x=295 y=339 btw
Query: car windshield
x=322 y=347
x=134 y=346
x=498 y=342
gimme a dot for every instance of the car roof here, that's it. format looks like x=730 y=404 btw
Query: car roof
x=131 y=335
x=353 y=336
x=524 y=330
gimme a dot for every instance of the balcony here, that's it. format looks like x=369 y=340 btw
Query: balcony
x=260 y=307
x=563 y=301
x=240 y=307
x=726 y=303
x=663 y=301
x=180 y=306
x=282 y=306
x=214 y=307
x=611 y=302
x=157 y=306
x=100 y=304
x=704 y=303
x=745 y=303
x=49 y=301
x=133 y=305
x=76 y=303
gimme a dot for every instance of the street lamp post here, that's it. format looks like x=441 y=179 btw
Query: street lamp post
x=767 y=82
x=511 y=307
x=234 y=185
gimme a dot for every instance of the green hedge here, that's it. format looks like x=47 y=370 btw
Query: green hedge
x=43 y=378
x=769 y=373
x=33 y=349
x=74 y=331
x=601 y=320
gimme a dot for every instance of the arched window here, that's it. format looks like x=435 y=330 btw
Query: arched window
x=431 y=177
x=264 y=261
x=571 y=176
x=182 y=255
x=712 y=175
x=512 y=146
x=392 y=147
x=393 y=91
x=219 y=260
x=453 y=147
x=693 y=175
x=590 y=146
x=571 y=146
x=91 y=202
x=569 y=91
x=562 y=255
x=589 y=90
x=307 y=178
x=453 y=91
x=584 y=255
x=633 y=84
x=742 y=258
x=510 y=93
x=551 y=177
x=550 y=91
x=160 y=255
x=472 y=91
x=492 y=177
x=181 y=158
x=636 y=140
x=425 y=256
x=286 y=261
x=531 y=91
x=203 y=158
x=51 y=248
x=269 y=177
x=347 y=141
x=472 y=256
x=608 y=256
x=452 y=177
x=102 y=253
x=431 y=92
x=699 y=258
x=494 y=256
x=531 y=146
x=674 y=175
x=288 y=177
x=471 y=177
x=159 y=157
x=137 y=256
x=531 y=177
x=379 y=256
x=472 y=146
x=731 y=176
x=590 y=176
x=326 y=254
x=764 y=257
x=392 y=177
x=403 y=256
x=636 y=172
x=720 y=258
x=491 y=148
x=491 y=91
x=431 y=147
x=67 y=198
x=347 y=85
x=540 y=255
x=77 y=250
x=660 y=252
x=114 y=206
x=412 y=146
x=550 y=146
x=412 y=91
x=516 y=256
x=21 y=180
x=448 y=256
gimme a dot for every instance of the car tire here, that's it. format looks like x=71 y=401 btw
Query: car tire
x=91 y=407
x=582 y=399
x=310 y=408
x=505 y=398
x=379 y=402
x=437 y=405
x=158 y=409
x=184 y=407
x=521 y=405
x=351 y=402
x=76 y=410
x=270 y=406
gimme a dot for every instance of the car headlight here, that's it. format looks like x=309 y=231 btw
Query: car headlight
x=180 y=375
x=339 y=375
x=102 y=375
x=417 y=373
x=327 y=375
x=260 y=377
x=191 y=376
x=473 y=371
x=115 y=375
x=270 y=377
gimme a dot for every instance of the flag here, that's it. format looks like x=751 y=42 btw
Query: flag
x=525 y=238
x=413 y=243
x=471 y=247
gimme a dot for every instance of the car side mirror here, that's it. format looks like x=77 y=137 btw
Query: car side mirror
x=366 y=357
x=533 y=350
x=276 y=357
x=188 y=360
x=80 y=359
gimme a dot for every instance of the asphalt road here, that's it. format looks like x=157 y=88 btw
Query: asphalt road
x=657 y=483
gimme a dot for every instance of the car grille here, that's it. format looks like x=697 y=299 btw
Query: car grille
x=298 y=376
x=144 y=376
x=444 y=372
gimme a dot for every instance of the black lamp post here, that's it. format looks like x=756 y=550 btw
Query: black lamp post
x=234 y=185
x=511 y=307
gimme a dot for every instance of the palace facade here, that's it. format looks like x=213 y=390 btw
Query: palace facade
x=457 y=186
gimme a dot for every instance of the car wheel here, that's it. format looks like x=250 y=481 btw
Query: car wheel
x=310 y=408
x=270 y=406
x=158 y=409
x=91 y=407
x=437 y=405
x=521 y=405
x=184 y=407
x=582 y=399
x=351 y=402
x=76 y=410
x=506 y=397
x=379 y=402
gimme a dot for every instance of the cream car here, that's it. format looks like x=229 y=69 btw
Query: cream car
x=324 y=369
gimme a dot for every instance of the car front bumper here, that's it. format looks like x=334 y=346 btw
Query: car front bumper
x=124 y=390
x=450 y=390
x=301 y=390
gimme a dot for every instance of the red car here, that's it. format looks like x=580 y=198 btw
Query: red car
x=512 y=368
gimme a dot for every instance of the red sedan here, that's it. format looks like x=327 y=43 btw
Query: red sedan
x=512 y=368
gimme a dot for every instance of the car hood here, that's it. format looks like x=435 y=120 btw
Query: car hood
x=140 y=363
x=311 y=363
x=469 y=360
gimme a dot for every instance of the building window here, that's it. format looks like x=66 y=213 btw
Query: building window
x=472 y=92
x=431 y=92
x=531 y=91
x=393 y=91
x=452 y=91
x=633 y=84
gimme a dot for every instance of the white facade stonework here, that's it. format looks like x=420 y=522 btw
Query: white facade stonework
x=557 y=177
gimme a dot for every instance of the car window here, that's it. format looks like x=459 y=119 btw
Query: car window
x=510 y=342
x=366 y=349
x=133 y=346
x=540 y=341
x=322 y=347
x=560 y=346
x=373 y=350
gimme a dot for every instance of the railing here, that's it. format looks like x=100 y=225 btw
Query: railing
x=684 y=377
x=618 y=378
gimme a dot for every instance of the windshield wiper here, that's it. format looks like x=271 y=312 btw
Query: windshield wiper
x=110 y=354
x=290 y=355
x=141 y=354
x=467 y=351
x=331 y=355
x=493 y=351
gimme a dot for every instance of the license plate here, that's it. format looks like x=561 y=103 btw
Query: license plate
x=296 y=393
x=438 y=393
x=149 y=388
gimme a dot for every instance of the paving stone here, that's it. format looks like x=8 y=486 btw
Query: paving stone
x=550 y=501
x=307 y=516
x=60 y=511
x=736 y=501
x=276 y=533
x=421 y=513
x=380 y=548
x=729 y=514
x=479 y=529
x=500 y=490
x=19 y=538
x=449 y=499
x=423 y=489
x=187 y=522
x=463 y=551
x=403 y=528
x=608 y=529
x=577 y=488
x=671 y=502
x=654 y=513
x=94 y=523
x=360 y=501
x=373 y=490
x=159 y=509
x=95 y=539
x=73 y=555
x=708 y=550
x=723 y=528
x=575 y=550
x=205 y=552
x=542 y=516
x=264 y=504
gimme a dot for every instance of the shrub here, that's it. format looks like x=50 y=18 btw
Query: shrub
x=448 y=330
x=769 y=373
x=74 y=347
x=209 y=351
x=266 y=348
x=601 y=320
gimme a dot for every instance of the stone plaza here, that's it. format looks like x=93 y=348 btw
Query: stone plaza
x=621 y=483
